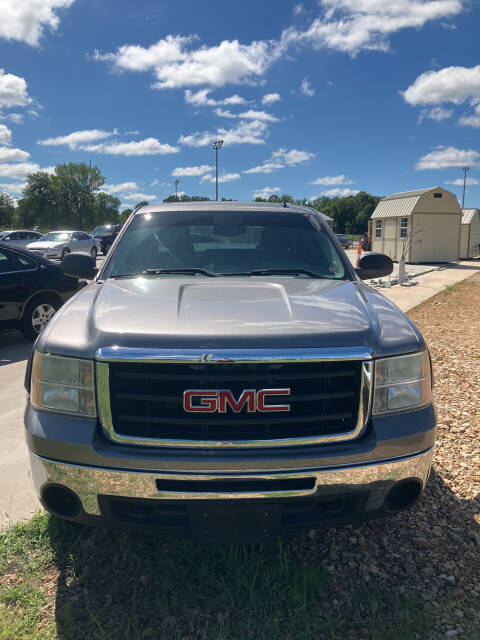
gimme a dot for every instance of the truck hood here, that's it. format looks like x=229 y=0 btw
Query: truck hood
x=235 y=313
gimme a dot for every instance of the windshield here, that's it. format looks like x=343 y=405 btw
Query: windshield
x=3 y=233
x=227 y=242
x=55 y=236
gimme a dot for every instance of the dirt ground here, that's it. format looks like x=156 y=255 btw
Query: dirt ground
x=432 y=553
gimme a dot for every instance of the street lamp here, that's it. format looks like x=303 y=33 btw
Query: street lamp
x=464 y=169
x=177 y=182
x=217 y=145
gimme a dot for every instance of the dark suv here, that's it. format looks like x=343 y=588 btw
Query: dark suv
x=106 y=234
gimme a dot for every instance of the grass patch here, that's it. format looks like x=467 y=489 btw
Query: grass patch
x=59 y=580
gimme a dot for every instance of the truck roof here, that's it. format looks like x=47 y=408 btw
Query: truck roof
x=210 y=205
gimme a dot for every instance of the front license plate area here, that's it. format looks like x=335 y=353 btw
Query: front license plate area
x=239 y=522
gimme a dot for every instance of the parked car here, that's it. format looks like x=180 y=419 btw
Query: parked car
x=56 y=244
x=20 y=237
x=344 y=240
x=228 y=375
x=106 y=234
x=32 y=289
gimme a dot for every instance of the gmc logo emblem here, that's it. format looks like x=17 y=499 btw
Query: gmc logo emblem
x=219 y=400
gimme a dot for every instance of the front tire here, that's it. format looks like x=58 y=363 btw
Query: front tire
x=94 y=253
x=106 y=248
x=37 y=315
x=65 y=252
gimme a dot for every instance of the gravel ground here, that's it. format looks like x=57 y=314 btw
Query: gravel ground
x=432 y=553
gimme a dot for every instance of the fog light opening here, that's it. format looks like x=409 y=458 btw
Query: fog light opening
x=61 y=501
x=403 y=495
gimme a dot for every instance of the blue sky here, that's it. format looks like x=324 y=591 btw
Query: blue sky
x=320 y=97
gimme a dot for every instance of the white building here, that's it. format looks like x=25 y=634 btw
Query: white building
x=422 y=225
x=470 y=234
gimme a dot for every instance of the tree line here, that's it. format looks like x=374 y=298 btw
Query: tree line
x=71 y=197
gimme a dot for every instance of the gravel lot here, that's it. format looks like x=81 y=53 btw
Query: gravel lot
x=432 y=553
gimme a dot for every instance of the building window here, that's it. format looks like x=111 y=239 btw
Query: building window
x=403 y=227
x=437 y=194
x=378 y=228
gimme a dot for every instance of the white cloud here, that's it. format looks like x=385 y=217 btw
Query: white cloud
x=282 y=158
x=306 y=88
x=299 y=9
x=25 y=20
x=224 y=113
x=13 y=89
x=292 y=157
x=138 y=197
x=266 y=192
x=339 y=192
x=132 y=133
x=270 y=98
x=459 y=182
x=472 y=120
x=13 y=155
x=19 y=171
x=451 y=84
x=14 y=188
x=202 y=98
x=147 y=147
x=444 y=157
x=332 y=180
x=199 y=170
x=16 y=118
x=176 y=63
x=226 y=177
x=5 y=135
x=76 y=139
x=252 y=132
x=351 y=26
x=435 y=113
x=123 y=187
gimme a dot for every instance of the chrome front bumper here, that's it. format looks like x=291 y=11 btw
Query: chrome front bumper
x=89 y=482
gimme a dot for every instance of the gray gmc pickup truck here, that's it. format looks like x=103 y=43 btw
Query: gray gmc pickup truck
x=227 y=375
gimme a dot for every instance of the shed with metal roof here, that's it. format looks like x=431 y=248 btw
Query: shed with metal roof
x=421 y=226
x=470 y=234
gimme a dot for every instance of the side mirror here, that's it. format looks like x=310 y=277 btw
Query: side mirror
x=79 y=265
x=374 y=265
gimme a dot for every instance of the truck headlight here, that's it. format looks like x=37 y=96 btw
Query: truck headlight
x=402 y=382
x=61 y=384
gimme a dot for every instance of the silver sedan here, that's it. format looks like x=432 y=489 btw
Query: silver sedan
x=56 y=244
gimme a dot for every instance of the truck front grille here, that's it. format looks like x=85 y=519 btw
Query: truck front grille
x=146 y=400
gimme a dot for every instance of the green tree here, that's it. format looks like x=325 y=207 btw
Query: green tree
x=124 y=216
x=185 y=198
x=105 y=209
x=142 y=203
x=37 y=207
x=74 y=186
x=7 y=210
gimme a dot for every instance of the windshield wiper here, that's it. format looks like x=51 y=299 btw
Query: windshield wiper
x=155 y=272
x=189 y=270
x=279 y=272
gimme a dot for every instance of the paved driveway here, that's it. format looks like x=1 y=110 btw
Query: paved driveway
x=17 y=499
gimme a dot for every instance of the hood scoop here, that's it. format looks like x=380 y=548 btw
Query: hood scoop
x=233 y=302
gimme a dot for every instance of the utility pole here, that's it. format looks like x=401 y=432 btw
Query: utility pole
x=217 y=145
x=177 y=182
x=464 y=169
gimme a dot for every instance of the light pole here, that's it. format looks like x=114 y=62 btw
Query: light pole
x=177 y=182
x=464 y=169
x=217 y=145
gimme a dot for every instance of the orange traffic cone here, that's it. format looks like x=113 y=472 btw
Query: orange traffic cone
x=359 y=252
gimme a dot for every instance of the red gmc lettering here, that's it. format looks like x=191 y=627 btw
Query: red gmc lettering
x=226 y=398
x=206 y=404
x=265 y=393
x=219 y=400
